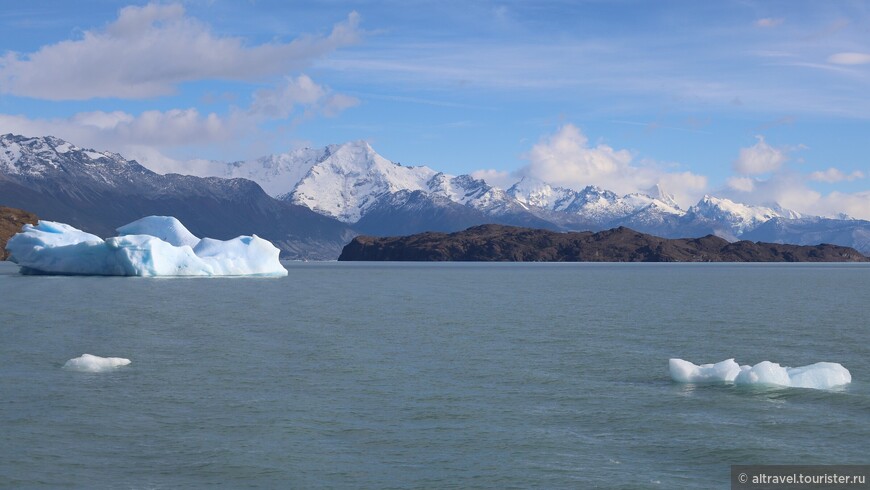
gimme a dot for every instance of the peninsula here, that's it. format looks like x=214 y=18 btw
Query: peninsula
x=499 y=243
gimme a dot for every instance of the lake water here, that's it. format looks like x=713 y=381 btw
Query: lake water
x=450 y=375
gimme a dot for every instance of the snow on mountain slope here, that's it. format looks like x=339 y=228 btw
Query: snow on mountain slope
x=658 y=193
x=592 y=204
x=277 y=174
x=474 y=193
x=43 y=158
x=346 y=181
x=350 y=178
x=738 y=218
x=533 y=192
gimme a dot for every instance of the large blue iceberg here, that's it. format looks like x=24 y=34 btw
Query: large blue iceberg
x=151 y=246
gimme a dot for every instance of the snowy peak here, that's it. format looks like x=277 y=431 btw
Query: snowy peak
x=592 y=203
x=277 y=174
x=48 y=157
x=738 y=217
x=533 y=192
x=658 y=193
x=463 y=189
x=350 y=178
x=345 y=181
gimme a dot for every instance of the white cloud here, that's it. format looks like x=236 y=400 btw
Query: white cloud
x=849 y=58
x=117 y=130
x=102 y=120
x=856 y=205
x=152 y=135
x=768 y=22
x=567 y=159
x=786 y=188
x=282 y=101
x=337 y=103
x=686 y=187
x=760 y=158
x=743 y=184
x=496 y=178
x=791 y=190
x=833 y=175
x=149 y=50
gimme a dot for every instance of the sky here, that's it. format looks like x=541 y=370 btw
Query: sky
x=759 y=102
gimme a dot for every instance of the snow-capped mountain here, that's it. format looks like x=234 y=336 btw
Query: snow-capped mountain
x=733 y=218
x=350 y=178
x=39 y=161
x=341 y=181
x=348 y=181
x=594 y=206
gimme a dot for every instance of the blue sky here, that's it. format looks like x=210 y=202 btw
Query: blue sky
x=760 y=102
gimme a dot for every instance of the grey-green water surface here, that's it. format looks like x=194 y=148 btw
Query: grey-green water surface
x=346 y=375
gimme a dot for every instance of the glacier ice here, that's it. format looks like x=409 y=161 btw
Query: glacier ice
x=166 y=228
x=95 y=364
x=155 y=246
x=820 y=376
x=686 y=372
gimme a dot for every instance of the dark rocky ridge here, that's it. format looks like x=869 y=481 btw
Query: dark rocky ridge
x=498 y=243
x=11 y=221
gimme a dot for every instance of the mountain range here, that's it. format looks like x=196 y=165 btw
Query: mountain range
x=352 y=183
x=312 y=201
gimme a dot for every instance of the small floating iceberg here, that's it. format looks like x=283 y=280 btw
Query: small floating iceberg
x=151 y=246
x=820 y=376
x=95 y=364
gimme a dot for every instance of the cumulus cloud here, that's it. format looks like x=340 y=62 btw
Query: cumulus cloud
x=849 y=58
x=760 y=158
x=832 y=175
x=792 y=190
x=149 y=50
x=856 y=205
x=567 y=159
x=785 y=188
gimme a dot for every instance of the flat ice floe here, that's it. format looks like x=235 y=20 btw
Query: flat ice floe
x=820 y=376
x=151 y=246
x=95 y=364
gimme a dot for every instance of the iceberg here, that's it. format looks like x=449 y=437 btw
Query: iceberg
x=820 y=376
x=151 y=246
x=95 y=364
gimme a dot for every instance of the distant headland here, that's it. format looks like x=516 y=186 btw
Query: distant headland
x=499 y=243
